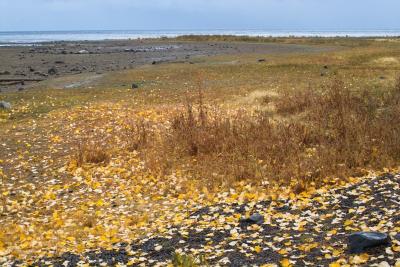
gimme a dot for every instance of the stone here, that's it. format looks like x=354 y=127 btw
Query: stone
x=5 y=72
x=83 y=51
x=397 y=237
x=5 y=105
x=52 y=71
x=41 y=74
x=75 y=69
x=360 y=241
x=135 y=86
x=262 y=60
x=255 y=218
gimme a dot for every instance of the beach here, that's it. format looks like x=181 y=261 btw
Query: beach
x=22 y=67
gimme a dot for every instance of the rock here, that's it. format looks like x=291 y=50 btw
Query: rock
x=31 y=69
x=5 y=105
x=75 y=69
x=360 y=241
x=255 y=218
x=397 y=237
x=261 y=60
x=59 y=62
x=41 y=74
x=52 y=71
x=326 y=67
x=19 y=73
x=83 y=51
x=5 y=72
x=154 y=63
x=135 y=86
x=20 y=89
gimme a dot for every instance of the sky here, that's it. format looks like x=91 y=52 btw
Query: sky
x=35 y=15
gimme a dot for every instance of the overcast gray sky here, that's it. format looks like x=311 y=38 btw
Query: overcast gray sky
x=198 y=14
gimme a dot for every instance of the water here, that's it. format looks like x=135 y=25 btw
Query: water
x=26 y=38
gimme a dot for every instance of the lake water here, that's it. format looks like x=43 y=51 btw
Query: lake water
x=35 y=37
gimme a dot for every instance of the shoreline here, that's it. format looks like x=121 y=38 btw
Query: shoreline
x=19 y=38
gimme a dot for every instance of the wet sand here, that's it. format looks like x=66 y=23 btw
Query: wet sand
x=21 y=67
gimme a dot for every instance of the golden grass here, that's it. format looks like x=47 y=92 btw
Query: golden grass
x=91 y=153
x=333 y=131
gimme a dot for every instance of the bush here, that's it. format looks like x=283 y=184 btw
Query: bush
x=330 y=132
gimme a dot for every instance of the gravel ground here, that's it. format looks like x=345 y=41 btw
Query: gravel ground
x=49 y=60
x=311 y=231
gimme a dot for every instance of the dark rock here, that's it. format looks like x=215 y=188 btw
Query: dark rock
x=135 y=86
x=20 y=89
x=255 y=218
x=262 y=60
x=59 y=62
x=52 y=71
x=360 y=241
x=5 y=72
x=75 y=69
x=64 y=52
x=154 y=63
x=41 y=74
x=5 y=105
x=20 y=73
x=397 y=237
x=31 y=69
x=382 y=77
x=326 y=67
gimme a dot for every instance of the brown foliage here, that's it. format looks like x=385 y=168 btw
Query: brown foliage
x=91 y=153
x=333 y=132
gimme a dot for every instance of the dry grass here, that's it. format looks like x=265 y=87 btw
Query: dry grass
x=332 y=131
x=91 y=153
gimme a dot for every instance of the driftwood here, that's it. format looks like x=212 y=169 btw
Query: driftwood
x=18 y=81
x=21 y=80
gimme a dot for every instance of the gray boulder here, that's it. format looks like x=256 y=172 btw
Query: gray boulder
x=360 y=241
x=255 y=218
x=5 y=105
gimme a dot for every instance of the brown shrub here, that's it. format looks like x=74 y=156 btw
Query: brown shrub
x=91 y=153
x=339 y=133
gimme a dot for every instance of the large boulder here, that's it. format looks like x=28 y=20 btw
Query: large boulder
x=360 y=241
x=5 y=105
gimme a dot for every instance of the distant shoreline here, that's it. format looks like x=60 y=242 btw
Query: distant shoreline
x=31 y=38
